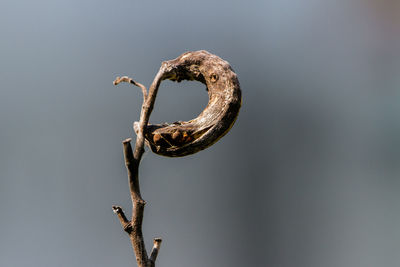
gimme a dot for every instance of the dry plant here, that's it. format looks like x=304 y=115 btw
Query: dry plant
x=179 y=138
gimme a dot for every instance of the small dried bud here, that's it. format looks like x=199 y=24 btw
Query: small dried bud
x=176 y=135
x=156 y=138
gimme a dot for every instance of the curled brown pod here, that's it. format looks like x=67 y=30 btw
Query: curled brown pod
x=184 y=138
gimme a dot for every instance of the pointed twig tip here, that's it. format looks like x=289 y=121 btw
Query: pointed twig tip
x=127 y=140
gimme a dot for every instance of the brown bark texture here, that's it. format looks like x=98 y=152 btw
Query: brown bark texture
x=179 y=138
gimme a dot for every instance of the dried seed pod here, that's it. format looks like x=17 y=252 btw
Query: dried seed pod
x=216 y=119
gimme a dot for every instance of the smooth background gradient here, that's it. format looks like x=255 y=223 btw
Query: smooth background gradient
x=307 y=177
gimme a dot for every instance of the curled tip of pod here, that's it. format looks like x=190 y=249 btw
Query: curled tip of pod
x=185 y=138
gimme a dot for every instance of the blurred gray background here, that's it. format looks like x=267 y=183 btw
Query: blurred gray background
x=308 y=176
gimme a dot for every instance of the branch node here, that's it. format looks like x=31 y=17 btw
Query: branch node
x=140 y=202
x=116 y=209
x=128 y=228
x=127 y=140
x=157 y=242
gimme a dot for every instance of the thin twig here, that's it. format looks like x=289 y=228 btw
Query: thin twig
x=126 y=79
x=154 y=252
x=126 y=224
x=136 y=235
x=132 y=161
